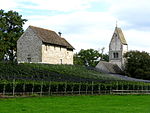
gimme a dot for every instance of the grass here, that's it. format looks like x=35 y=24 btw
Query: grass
x=78 y=104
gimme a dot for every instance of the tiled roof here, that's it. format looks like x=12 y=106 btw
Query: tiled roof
x=51 y=37
x=121 y=36
x=109 y=67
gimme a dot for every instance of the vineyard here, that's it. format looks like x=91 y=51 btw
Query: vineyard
x=44 y=79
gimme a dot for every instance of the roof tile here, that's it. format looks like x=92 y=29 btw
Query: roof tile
x=49 y=36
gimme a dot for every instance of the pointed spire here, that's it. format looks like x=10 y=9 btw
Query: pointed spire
x=116 y=23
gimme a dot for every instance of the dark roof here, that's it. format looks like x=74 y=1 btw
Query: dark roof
x=121 y=36
x=51 y=37
x=109 y=67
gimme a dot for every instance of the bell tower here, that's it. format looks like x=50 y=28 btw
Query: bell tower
x=117 y=47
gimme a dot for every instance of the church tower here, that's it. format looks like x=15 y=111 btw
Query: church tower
x=117 y=47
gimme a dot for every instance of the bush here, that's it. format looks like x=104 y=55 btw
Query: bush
x=137 y=64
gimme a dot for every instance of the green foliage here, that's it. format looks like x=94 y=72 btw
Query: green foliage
x=51 y=72
x=138 y=64
x=89 y=57
x=104 y=57
x=11 y=28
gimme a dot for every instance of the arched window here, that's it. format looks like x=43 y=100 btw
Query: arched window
x=115 y=55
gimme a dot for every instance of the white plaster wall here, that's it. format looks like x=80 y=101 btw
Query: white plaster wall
x=56 y=55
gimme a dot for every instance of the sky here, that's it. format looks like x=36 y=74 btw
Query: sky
x=88 y=23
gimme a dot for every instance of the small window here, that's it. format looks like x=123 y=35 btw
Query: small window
x=29 y=59
x=60 y=48
x=116 y=55
x=54 y=48
x=60 y=61
x=46 y=47
x=115 y=35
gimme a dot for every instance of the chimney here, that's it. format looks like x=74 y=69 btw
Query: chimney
x=59 y=33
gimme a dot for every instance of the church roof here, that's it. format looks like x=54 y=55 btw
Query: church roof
x=108 y=67
x=121 y=36
x=51 y=37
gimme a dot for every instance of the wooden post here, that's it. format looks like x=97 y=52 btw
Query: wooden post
x=65 y=87
x=122 y=87
x=105 y=89
x=138 y=88
x=49 y=89
x=4 y=88
x=72 y=89
x=133 y=88
x=32 y=88
x=41 y=89
x=92 y=87
x=13 y=87
x=86 y=88
x=127 y=85
x=99 y=89
x=110 y=88
x=117 y=85
x=57 y=88
x=24 y=88
x=79 y=88
x=143 y=86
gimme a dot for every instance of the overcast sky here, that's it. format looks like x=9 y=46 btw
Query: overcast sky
x=88 y=23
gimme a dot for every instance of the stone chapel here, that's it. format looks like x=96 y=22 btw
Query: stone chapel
x=117 y=47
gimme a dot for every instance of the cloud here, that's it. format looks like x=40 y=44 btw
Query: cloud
x=85 y=26
x=8 y=4
x=82 y=29
x=138 y=40
x=133 y=12
x=57 y=5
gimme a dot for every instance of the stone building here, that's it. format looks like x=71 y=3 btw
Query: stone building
x=117 y=47
x=38 y=45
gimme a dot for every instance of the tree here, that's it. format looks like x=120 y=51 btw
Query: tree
x=138 y=64
x=89 y=57
x=11 y=28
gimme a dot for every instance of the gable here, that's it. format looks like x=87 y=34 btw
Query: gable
x=28 y=36
x=115 y=43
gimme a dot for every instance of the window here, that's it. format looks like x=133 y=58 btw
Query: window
x=46 y=47
x=115 y=55
x=29 y=59
x=115 y=35
x=60 y=48
x=60 y=61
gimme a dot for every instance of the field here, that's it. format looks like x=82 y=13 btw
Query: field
x=77 y=104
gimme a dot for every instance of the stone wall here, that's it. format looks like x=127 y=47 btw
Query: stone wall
x=116 y=46
x=29 y=47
